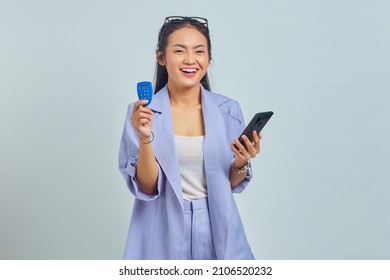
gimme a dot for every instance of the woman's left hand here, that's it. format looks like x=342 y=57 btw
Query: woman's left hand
x=244 y=154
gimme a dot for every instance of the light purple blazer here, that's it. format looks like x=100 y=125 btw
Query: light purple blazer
x=157 y=224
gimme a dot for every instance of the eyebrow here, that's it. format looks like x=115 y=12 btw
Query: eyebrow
x=183 y=46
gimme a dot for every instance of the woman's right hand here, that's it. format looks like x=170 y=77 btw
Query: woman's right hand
x=142 y=119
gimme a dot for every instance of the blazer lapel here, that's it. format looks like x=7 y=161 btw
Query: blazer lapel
x=164 y=140
x=216 y=157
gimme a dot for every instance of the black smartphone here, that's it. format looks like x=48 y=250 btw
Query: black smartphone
x=257 y=123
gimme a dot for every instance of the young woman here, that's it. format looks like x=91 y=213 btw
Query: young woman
x=178 y=159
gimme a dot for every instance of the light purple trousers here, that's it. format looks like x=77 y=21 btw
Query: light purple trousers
x=198 y=240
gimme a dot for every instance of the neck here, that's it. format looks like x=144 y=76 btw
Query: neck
x=184 y=97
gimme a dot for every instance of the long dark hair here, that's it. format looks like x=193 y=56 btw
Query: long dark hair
x=161 y=74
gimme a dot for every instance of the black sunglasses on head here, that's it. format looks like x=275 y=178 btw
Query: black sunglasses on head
x=188 y=19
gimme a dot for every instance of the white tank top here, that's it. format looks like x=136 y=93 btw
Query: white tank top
x=189 y=150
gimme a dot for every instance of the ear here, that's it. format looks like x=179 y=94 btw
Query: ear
x=160 y=58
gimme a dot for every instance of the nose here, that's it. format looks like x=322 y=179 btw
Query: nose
x=189 y=59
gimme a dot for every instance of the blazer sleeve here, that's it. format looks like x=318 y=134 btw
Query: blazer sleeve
x=128 y=155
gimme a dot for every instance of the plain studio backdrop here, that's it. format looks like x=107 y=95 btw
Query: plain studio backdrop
x=68 y=70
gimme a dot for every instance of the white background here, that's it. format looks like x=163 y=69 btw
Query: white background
x=68 y=69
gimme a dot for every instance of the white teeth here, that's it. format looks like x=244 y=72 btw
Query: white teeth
x=189 y=70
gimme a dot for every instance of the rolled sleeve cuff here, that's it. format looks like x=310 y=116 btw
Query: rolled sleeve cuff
x=134 y=185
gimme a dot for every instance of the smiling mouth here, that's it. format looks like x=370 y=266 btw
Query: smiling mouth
x=189 y=70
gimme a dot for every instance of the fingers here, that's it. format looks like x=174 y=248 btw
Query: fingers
x=249 y=146
x=256 y=137
x=142 y=117
x=240 y=151
x=249 y=149
x=141 y=110
x=142 y=114
x=138 y=104
x=256 y=141
x=238 y=148
x=242 y=157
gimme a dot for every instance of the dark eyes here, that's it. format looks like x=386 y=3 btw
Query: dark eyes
x=197 y=51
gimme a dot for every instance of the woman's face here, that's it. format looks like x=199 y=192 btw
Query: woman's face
x=186 y=58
